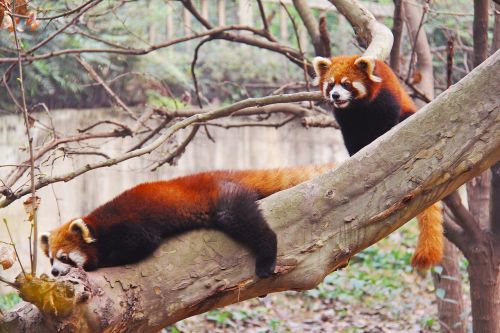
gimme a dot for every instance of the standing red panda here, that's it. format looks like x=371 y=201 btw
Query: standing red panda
x=131 y=226
x=367 y=101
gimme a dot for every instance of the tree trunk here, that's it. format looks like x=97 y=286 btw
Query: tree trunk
x=451 y=306
x=320 y=224
x=484 y=274
x=483 y=255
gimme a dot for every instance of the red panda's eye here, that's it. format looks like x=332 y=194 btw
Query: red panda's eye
x=346 y=85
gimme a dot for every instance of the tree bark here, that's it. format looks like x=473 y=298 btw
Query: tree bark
x=422 y=49
x=484 y=252
x=320 y=224
x=484 y=275
x=451 y=306
x=397 y=32
x=495 y=44
x=480 y=30
x=375 y=36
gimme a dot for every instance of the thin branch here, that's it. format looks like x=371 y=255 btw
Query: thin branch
x=462 y=216
x=425 y=9
x=110 y=91
x=14 y=246
x=397 y=32
x=306 y=77
x=221 y=112
x=179 y=150
x=151 y=134
x=307 y=17
x=82 y=11
x=132 y=51
x=11 y=284
x=263 y=16
x=34 y=207
x=125 y=129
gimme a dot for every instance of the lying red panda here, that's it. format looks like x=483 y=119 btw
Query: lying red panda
x=367 y=101
x=131 y=226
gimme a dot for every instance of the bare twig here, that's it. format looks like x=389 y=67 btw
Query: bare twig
x=14 y=246
x=34 y=207
x=397 y=31
x=425 y=9
x=462 y=216
x=263 y=16
x=110 y=92
x=306 y=76
x=179 y=150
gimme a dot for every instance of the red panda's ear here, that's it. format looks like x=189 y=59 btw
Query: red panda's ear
x=367 y=65
x=44 y=243
x=321 y=66
x=79 y=226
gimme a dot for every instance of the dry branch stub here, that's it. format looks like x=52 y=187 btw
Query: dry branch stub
x=378 y=190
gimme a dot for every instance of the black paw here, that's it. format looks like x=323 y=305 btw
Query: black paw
x=264 y=267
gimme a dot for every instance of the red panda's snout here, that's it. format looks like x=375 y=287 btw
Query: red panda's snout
x=70 y=245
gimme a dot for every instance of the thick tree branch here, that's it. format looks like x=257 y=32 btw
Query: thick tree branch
x=377 y=37
x=311 y=25
x=320 y=224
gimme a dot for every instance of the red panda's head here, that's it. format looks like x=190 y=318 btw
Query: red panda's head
x=70 y=245
x=343 y=79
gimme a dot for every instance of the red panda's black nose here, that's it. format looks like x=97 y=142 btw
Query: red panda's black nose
x=54 y=272
x=335 y=96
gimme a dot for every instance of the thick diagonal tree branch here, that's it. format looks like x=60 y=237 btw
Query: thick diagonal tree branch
x=320 y=224
x=376 y=37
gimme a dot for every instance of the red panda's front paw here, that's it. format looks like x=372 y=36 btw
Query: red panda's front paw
x=264 y=266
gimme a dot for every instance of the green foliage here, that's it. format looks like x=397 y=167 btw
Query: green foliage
x=7 y=301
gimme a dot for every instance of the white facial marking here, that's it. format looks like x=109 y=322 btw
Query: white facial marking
x=360 y=87
x=78 y=258
x=343 y=96
x=60 y=267
x=344 y=79
x=59 y=253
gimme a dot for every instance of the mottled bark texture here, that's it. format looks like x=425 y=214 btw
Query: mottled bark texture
x=320 y=224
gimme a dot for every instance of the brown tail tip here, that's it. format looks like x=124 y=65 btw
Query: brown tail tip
x=429 y=251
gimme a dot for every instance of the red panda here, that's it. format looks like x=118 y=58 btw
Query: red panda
x=368 y=100
x=132 y=225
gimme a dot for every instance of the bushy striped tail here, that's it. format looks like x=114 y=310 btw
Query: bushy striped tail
x=268 y=181
x=429 y=251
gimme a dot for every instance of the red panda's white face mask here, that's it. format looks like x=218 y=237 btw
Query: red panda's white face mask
x=68 y=246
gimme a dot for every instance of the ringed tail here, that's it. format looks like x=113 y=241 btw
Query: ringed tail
x=268 y=181
x=429 y=251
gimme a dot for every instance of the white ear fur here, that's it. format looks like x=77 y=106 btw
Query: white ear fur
x=79 y=226
x=320 y=65
x=367 y=64
x=44 y=242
